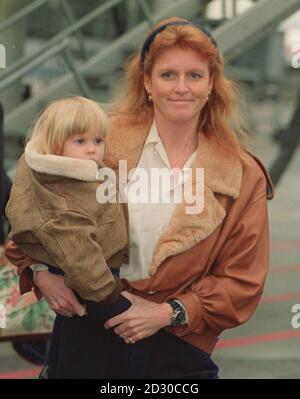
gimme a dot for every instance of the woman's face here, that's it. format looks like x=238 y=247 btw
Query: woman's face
x=179 y=85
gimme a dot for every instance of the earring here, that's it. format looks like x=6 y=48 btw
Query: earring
x=149 y=97
x=208 y=96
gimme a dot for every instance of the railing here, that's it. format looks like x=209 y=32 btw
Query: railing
x=241 y=33
x=57 y=45
x=233 y=36
x=24 y=12
x=104 y=61
x=224 y=8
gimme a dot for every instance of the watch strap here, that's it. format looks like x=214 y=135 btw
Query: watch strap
x=179 y=313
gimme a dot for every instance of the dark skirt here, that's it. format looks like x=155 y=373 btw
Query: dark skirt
x=82 y=348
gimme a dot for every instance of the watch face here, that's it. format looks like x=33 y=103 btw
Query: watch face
x=179 y=317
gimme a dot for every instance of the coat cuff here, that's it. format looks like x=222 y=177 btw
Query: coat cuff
x=26 y=283
x=194 y=309
x=22 y=262
x=113 y=297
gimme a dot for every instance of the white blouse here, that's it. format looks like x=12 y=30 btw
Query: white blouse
x=150 y=215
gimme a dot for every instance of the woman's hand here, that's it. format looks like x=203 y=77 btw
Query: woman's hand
x=60 y=298
x=143 y=319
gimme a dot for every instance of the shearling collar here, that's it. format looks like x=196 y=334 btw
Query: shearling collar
x=222 y=175
x=55 y=165
x=223 y=172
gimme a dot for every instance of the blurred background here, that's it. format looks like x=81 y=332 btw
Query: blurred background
x=53 y=48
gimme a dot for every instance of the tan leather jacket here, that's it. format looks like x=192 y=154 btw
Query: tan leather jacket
x=216 y=261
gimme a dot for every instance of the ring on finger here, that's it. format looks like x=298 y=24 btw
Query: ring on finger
x=131 y=340
x=68 y=314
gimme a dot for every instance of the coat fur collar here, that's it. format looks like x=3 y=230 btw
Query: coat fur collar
x=55 y=165
x=222 y=175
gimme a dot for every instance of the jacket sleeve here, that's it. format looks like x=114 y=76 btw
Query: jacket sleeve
x=70 y=239
x=230 y=294
x=22 y=262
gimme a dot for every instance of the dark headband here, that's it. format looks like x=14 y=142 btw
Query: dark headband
x=151 y=37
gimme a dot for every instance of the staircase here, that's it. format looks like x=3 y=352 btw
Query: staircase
x=90 y=65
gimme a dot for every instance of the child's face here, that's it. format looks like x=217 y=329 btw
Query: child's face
x=88 y=145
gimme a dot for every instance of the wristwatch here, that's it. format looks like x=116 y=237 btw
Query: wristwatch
x=179 y=316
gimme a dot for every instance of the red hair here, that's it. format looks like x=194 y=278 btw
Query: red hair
x=219 y=119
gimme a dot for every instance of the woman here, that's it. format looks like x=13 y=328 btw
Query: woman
x=196 y=268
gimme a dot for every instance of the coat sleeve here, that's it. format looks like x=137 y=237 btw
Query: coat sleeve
x=70 y=239
x=22 y=262
x=230 y=294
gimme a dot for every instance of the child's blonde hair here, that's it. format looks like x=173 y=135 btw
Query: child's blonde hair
x=64 y=118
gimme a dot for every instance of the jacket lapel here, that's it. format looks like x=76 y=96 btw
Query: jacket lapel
x=125 y=142
x=222 y=175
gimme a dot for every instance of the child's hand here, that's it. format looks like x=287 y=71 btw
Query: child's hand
x=60 y=298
